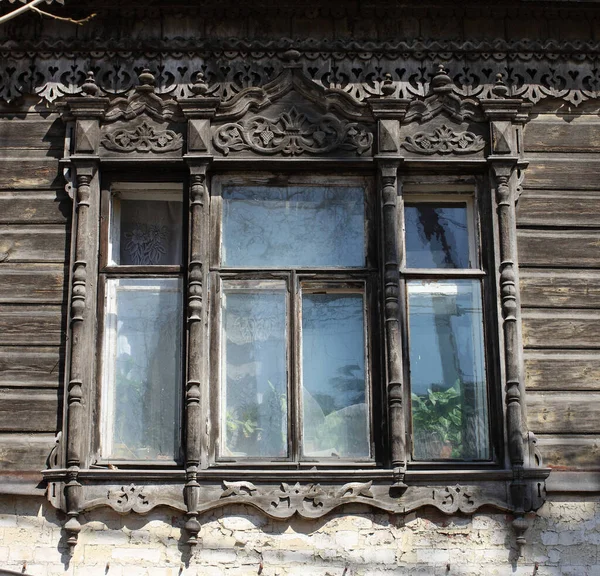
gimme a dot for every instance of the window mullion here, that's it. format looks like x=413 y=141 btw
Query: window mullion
x=294 y=367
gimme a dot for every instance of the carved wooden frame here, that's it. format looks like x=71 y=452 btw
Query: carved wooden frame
x=492 y=147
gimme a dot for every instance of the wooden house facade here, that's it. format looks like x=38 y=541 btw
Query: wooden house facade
x=298 y=268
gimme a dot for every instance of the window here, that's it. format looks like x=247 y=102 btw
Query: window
x=142 y=325
x=294 y=273
x=443 y=279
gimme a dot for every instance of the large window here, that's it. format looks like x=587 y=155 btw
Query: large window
x=293 y=272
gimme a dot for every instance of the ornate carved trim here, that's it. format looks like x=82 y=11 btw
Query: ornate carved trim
x=129 y=498
x=444 y=140
x=293 y=133
x=143 y=138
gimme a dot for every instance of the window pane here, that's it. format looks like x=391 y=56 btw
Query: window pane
x=333 y=376
x=142 y=356
x=447 y=370
x=293 y=226
x=149 y=232
x=254 y=374
x=436 y=236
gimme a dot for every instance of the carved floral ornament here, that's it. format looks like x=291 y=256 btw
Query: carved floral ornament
x=144 y=138
x=444 y=140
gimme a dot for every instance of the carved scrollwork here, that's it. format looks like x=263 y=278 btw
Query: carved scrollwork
x=293 y=133
x=144 y=138
x=129 y=498
x=453 y=499
x=444 y=140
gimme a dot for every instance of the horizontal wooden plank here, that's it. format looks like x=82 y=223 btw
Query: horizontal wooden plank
x=567 y=371
x=19 y=173
x=564 y=412
x=563 y=172
x=552 y=134
x=542 y=209
x=33 y=132
x=570 y=452
x=31 y=325
x=25 y=451
x=45 y=207
x=561 y=329
x=559 y=248
x=30 y=410
x=47 y=243
x=31 y=367
x=560 y=288
x=33 y=283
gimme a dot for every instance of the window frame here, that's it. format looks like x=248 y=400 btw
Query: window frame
x=112 y=187
x=444 y=188
x=295 y=277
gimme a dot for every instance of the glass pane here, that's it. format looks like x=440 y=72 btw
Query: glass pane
x=150 y=232
x=254 y=374
x=333 y=376
x=292 y=227
x=436 y=236
x=447 y=370
x=142 y=355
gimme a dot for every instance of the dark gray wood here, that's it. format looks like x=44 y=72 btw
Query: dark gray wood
x=561 y=329
x=25 y=451
x=31 y=325
x=28 y=366
x=551 y=133
x=30 y=207
x=47 y=243
x=29 y=410
x=32 y=132
x=562 y=370
x=558 y=208
x=564 y=412
x=27 y=173
x=32 y=283
x=560 y=288
x=561 y=173
x=559 y=248
x=570 y=452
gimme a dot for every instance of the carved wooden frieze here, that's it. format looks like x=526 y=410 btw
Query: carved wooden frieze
x=143 y=138
x=293 y=133
x=444 y=140
x=535 y=71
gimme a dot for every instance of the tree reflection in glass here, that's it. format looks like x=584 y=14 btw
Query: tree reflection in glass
x=447 y=370
x=254 y=401
x=334 y=400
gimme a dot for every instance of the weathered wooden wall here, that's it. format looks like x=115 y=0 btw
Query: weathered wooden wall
x=34 y=243
x=559 y=254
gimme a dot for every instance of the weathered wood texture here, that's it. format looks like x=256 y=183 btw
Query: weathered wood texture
x=33 y=283
x=25 y=451
x=564 y=172
x=560 y=288
x=561 y=329
x=29 y=410
x=559 y=248
x=28 y=325
x=554 y=208
x=34 y=207
x=562 y=370
x=564 y=412
x=570 y=451
x=29 y=366
x=551 y=133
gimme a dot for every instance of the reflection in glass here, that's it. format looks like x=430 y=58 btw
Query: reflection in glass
x=333 y=376
x=150 y=232
x=293 y=226
x=142 y=343
x=254 y=402
x=436 y=236
x=447 y=370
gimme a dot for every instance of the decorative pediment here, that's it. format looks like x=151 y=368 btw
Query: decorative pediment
x=293 y=133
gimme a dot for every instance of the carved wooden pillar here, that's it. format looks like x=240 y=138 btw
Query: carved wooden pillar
x=393 y=340
x=197 y=258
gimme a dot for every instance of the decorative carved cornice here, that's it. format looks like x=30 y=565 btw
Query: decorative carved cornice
x=444 y=140
x=534 y=71
x=143 y=138
x=293 y=133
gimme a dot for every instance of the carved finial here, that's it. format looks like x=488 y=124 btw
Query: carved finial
x=147 y=81
x=199 y=87
x=291 y=56
x=387 y=87
x=441 y=82
x=500 y=88
x=89 y=87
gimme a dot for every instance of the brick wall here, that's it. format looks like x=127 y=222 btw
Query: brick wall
x=564 y=540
